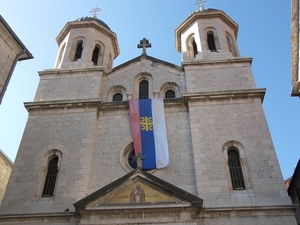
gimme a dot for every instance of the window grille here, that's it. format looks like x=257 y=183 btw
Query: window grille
x=118 y=97
x=235 y=170
x=143 y=89
x=50 y=178
x=170 y=94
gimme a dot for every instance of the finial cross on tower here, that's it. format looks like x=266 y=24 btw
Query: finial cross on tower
x=94 y=11
x=144 y=43
x=200 y=2
x=139 y=159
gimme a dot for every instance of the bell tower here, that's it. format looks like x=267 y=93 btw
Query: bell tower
x=86 y=42
x=207 y=34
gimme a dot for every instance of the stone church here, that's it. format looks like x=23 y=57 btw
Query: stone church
x=77 y=164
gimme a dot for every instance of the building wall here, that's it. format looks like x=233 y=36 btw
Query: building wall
x=11 y=51
x=7 y=56
x=5 y=171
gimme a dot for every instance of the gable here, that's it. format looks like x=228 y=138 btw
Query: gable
x=138 y=189
x=127 y=76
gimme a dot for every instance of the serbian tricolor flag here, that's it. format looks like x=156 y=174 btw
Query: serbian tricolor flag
x=148 y=129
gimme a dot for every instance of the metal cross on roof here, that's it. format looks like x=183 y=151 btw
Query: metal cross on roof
x=139 y=159
x=94 y=11
x=200 y=2
x=144 y=43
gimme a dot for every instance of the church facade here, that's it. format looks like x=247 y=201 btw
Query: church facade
x=76 y=161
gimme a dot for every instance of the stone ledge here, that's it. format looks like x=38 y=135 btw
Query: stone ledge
x=83 y=103
x=250 y=208
x=77 y=103
x=220 y=95
x=200 y=62
x=64 y=71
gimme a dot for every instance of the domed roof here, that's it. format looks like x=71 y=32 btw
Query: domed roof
x=206 y=9
x=93 y=18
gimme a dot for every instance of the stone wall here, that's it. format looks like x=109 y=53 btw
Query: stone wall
x=5 y=171
x=7 y=57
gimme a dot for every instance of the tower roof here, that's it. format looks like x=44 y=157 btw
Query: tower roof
x=94 y=19
x=204 y=13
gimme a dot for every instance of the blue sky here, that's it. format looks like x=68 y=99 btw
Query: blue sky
x=264 y=34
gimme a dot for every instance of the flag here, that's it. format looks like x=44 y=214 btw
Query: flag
x=148 y=129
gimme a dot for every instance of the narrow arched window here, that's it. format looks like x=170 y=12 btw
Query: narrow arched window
x=195 y=49
x=51 y=177
x=78 y=51
x=170 y=94
x=95 y=55
x=58 y=61
x=118 y=97
x=235 y=169
x=229 y=44
x=143 y=89
x=211 y=41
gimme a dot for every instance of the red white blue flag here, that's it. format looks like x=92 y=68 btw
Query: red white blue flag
x=148 y=129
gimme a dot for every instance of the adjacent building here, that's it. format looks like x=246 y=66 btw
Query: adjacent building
x=6 y=166
x=295 y=48
x=77 y=162
x=294 y=190
x=12 y=50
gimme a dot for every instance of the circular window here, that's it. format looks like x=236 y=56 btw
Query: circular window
x=126 y=157
x=127 y=160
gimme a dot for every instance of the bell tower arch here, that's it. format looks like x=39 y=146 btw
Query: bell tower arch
x=210 y=32
x=86 y=42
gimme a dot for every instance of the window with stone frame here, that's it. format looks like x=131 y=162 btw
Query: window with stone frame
x=235 y=169
x=78 y=51
x=118 y=97
x=51 y=176
x=95 y=55
x=144 y=89
x=211 y=41
x=170 y=94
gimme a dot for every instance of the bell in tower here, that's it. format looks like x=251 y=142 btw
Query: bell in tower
x=207 y=34
x=86 y=42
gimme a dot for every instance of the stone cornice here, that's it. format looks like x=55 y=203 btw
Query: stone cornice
x=221 y=95
x=58 y=104
x=250 y=208
x=218 y=61
x=38 y=216
x=62 y=71
x=83 y=103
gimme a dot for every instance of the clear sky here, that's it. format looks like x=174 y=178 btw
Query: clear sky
x=264 y=34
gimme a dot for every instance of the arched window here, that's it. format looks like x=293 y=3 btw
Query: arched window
x=118 y=97
x=78 y=51
x=58 y=61
x=229 y=44
x=95 y=55
x=195 y=49
x=143 y=89
x=51 y=177
x=235 y=169
x=170 y=94
x=211 y=41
